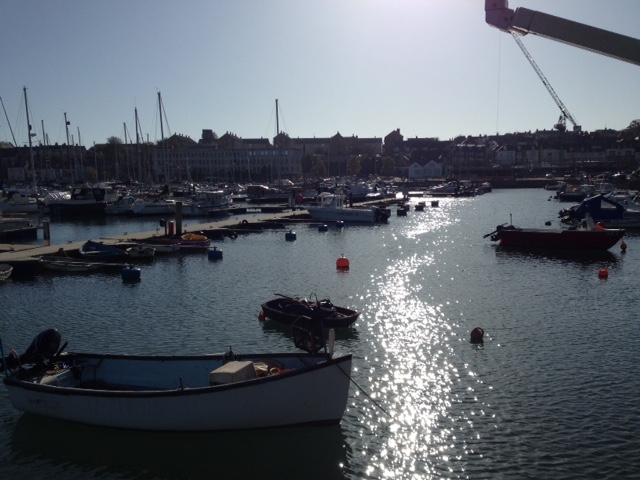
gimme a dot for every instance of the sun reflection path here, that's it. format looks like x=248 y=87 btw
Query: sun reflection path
x=422 y=435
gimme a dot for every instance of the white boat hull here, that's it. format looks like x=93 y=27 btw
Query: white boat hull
x=173 y=394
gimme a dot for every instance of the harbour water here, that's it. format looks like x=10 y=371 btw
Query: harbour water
x=551 y=393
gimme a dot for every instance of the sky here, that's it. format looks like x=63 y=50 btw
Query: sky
x=364 y=68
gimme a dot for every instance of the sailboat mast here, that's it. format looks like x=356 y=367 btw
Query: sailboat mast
x=277 y=122
x=31 y=167
x=164 y=147
x=138 y=145
x=66 y=126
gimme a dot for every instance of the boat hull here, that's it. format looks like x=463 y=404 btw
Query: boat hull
x=173 y=393
x=558 y=239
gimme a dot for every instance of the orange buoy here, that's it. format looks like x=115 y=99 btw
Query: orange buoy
x=261 y=316
x=603 y=273
x=623 y=246
x=477 y=334
x=342 y=263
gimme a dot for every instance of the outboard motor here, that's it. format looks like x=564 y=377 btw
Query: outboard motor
x=43 y=348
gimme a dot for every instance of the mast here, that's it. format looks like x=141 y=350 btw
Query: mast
x=126 y=151
x=66 y=126
x=277 y=122
x=8 y=122
x=138 y=145
x=164 y=147
x=31 y=167
x=80 y=153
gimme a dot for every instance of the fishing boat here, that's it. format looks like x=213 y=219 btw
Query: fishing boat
x=226 y=391
x=330 y=207
x=96 y=251
x=287 y=310
x=607 y=210
x=591 y=238
x=5 y=271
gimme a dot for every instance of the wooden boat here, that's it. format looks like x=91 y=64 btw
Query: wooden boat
x=288 y=309
x=96 y=251
x=598 y=238
x=224 y=391
x=5 y=271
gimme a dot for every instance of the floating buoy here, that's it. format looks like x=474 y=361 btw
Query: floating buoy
x=290 y=236
x=342 y=263
x=603 y=273
x=477 y=335
x=547 y=223
x=435 y=203
x=130 y=274
x=340 y=224
x=401 y=212
x=261 y=316
x=322 y=228
x=623 y=246
x=215 y=254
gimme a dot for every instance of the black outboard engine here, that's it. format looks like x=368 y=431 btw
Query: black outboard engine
x=43 y=348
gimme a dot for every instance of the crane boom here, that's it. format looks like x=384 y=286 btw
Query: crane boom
x=554 y=95
x=523 y=21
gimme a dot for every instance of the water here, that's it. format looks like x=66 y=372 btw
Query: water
x=550 y=394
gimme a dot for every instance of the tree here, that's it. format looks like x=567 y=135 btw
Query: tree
x=307 y=165
x=114 y=141
x=320 y=168
x=354 y=166
x=388 y=167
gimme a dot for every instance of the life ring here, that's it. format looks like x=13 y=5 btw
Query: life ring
x=244 y=222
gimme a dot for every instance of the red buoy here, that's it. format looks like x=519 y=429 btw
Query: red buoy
x=603 y=273
x=477 y=334
x=623 y=246
x=342 y=263
x=261 y=316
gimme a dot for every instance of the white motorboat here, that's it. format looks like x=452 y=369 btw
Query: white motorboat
x=224 y=391
x=330 y=207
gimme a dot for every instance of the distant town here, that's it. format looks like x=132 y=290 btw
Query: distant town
x=229 y=159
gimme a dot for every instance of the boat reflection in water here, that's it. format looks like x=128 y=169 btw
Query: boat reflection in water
x=309 y=453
